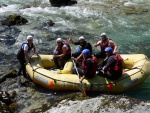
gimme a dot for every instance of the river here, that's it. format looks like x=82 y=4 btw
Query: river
x=124 y=21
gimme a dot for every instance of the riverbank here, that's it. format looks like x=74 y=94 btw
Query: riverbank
x=102 y=104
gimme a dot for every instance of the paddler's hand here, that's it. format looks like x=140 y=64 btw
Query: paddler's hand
x=31 y=60
x=35 y=54
x=74 y=59
x=70 y=39
x=55 y=56
x=81 y=79
x=114 y=52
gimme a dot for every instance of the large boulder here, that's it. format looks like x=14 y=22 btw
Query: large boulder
x=10 y=74
x=14 y=20
x=59 y=3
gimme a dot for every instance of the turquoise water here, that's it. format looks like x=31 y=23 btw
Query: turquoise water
x=126 y=22
x=140 y=92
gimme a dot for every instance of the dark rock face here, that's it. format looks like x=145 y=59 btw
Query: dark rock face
x=14 y=20
x=59 y=3
x=7 y=104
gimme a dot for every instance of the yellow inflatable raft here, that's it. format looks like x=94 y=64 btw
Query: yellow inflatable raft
x=136 y=70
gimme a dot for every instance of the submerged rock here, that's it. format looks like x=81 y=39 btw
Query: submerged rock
x=135 y=10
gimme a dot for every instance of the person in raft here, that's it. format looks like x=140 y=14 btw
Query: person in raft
x=103 y=43
x=83 y=44
x=62 y=52
x=112 y=66
x=23 y=55
x=89 y=65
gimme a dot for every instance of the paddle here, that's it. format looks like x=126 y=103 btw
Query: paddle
x=82 y=89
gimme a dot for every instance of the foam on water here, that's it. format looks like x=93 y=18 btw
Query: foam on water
x=8 y=9
x=129 y=3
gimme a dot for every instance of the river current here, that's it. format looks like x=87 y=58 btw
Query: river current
x=124 y=21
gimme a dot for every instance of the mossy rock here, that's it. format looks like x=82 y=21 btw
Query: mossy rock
x=14 y=20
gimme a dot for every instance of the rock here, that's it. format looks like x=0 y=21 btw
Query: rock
x=59 y=3
x=3 y=5
x=12 y=94
x=10 y=74
x=14 y=20
x=135 y=10
x=7 y=103
x=50 y=23
x=5 y=98
x=4 y=108
x=13 y=107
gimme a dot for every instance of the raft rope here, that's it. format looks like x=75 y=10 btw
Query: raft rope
x=132 y=69
x=91 y=85
x=55 y=80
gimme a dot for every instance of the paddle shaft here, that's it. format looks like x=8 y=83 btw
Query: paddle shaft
x=83 y=90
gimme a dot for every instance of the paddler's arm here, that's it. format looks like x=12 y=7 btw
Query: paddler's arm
x=112 y=44
x=71 y=40
x=34 y=49
x=80 y=56
x=63 y=54
x=89 y=65
x=97 y=44
x=26 y=55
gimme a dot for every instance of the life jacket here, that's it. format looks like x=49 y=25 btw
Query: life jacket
x=94 y=67
x=104 y=45
x=59 y=49
x=20 y=53
x=118 y=64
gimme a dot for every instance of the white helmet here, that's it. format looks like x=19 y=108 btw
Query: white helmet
x=103 y=34
x=81 y=38
x=59 y=40
x=29 y=37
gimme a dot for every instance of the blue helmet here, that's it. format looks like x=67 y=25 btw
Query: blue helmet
x=109 y=49
x=86 y=51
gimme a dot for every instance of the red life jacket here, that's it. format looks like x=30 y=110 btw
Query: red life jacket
x=94 y=67
x=59 y=49
x=118 y=65
x=104 y=45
